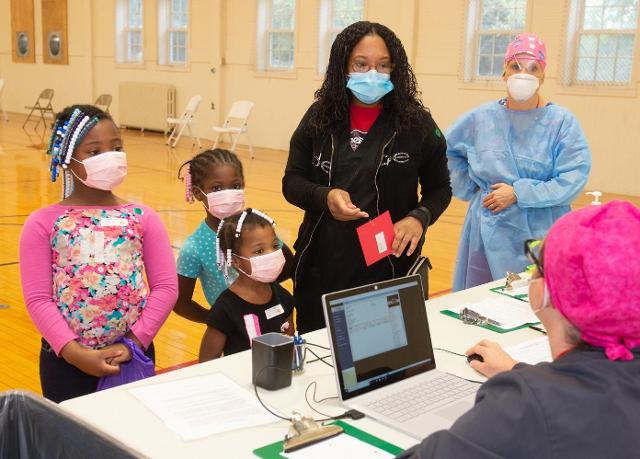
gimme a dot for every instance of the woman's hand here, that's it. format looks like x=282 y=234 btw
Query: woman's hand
x=407 y=231
x=500 y=199
x=94 y=362
x=342 y=208
x=496 y=360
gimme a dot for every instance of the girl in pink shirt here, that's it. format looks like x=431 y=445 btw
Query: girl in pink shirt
x=83 y=261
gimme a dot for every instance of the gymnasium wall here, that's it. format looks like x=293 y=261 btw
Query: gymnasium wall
x=223 y=37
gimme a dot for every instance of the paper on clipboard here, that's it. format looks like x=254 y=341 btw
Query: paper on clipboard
x=338 y=447
x=507 y=311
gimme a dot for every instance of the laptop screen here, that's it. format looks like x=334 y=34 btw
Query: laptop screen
x=379 y=334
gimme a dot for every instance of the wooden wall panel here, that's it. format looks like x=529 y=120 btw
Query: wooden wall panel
x=22 y=22
x=54 y=21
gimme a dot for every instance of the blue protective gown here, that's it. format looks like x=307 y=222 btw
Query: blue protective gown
x=543 y=153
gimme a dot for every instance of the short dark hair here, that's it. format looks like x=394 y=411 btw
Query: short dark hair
x=227 y=233
x=200 y=163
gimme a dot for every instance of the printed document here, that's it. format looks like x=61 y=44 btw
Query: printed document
x=204 y=405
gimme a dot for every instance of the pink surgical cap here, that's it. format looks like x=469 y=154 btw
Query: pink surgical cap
x=527 y=45
x=592 y=270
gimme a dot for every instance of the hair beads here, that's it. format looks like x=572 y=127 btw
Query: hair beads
x=230 y=230
x=70 y=127
x=188 y=183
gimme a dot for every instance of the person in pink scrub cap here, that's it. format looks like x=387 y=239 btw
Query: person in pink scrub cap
x=585 y=403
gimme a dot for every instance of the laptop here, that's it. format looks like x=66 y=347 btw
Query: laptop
x=383 y=358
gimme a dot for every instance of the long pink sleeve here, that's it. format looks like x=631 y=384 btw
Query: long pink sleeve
x=160 y=267
x=37 y=276
x=37 y=283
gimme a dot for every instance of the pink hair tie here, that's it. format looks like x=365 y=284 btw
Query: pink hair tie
x=187 y=184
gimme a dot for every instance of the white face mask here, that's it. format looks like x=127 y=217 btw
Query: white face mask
x=546 y=297
x=522 y=86
x=105 y=171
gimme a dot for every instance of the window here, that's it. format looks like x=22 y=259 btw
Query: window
x=603 y=43
x=178 y=32
x=129 y=31
x=335 y=15
x=173 y=28
x=492 y=25
x=276 y=34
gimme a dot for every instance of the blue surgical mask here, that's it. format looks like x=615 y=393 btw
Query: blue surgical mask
x=369 y=87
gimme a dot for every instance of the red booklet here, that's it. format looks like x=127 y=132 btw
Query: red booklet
x=376 y=237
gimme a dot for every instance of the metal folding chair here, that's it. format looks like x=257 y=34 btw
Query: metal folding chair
x=103 y=102
x=43 y=107
x=185 y=120
x=236 y=124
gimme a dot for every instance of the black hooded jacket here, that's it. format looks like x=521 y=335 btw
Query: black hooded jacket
x=382 y=174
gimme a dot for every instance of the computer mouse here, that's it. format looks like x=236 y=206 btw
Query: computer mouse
x=477 y=357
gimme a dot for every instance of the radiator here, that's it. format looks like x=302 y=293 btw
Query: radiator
x=146 y=105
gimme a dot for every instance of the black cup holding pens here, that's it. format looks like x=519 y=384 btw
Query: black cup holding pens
x=271 y=360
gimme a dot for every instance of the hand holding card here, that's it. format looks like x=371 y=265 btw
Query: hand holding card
x=376 y=238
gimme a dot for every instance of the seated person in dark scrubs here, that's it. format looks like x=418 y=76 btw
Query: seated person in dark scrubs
x=586 y=403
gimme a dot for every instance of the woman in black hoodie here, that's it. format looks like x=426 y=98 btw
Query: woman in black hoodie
x=361 y=149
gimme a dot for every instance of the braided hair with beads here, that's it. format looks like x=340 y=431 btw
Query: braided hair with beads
x=69 y=128
x=195 y=171
x=229 y=234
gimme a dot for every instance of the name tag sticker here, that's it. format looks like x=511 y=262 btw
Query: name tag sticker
x=113 y=221
x=274 y=311
x=382 y=244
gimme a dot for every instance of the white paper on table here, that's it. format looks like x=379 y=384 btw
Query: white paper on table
x=522 y=288
x=339 y=447
x=533 y=351
x=204 y=405
x=509 y=312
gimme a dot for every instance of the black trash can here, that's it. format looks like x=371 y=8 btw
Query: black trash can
x=33 y=427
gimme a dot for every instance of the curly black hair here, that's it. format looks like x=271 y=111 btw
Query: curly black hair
x=333 y=98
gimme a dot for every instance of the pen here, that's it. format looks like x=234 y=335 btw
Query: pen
x=541 y=330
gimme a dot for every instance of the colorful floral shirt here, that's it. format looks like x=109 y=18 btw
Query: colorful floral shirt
x=98 y=272
x=93 y=273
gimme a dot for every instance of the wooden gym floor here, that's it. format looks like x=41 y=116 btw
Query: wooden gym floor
x=25 y=186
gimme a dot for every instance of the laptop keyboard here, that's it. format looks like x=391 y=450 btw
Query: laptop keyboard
x=422 y=397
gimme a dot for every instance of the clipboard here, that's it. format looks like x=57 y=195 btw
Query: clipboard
x=493 y=328
x=502 y=291
x=274 y=450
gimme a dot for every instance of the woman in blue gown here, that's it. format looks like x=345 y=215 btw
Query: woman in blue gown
x=520 y=161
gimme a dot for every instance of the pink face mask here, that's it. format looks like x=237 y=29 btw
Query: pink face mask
x=224 y=203
x=265 y=268
x=104 y=171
